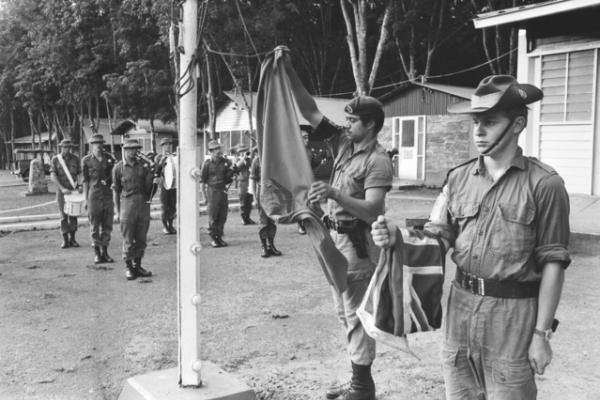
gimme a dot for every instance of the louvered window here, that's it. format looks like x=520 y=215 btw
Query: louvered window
x=567 y=82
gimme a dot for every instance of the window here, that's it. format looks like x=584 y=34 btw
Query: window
x=408 y=133
x=567 y=82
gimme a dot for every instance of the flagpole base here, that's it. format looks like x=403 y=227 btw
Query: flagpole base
x=163 y=385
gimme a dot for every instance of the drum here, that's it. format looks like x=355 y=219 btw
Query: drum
x=170 y=172
x=74 y=204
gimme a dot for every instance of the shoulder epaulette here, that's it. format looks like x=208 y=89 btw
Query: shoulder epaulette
x=542 y=165
x=459 y=166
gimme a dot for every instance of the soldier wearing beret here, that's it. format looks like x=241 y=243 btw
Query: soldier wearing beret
x=242 y=165
x=132 y=187
x=506 y=216
x=66 y=181
x=216 y=175
x=96 y=169
x=168 y=196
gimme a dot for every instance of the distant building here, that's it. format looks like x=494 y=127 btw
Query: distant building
x=428 y=139
x=559 y=44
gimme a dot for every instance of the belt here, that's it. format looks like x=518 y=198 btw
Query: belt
x=495 y=288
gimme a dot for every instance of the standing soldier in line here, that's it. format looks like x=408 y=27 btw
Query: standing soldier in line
x=267 y=229
x=168 y=197
x=66 y=182
x=96 y=170
x=216 y=175
x=132 y=187
x=242 y=168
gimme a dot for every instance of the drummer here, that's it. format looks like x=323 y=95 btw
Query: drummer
x=168 y=192
x=65 y=169
x=96 y=169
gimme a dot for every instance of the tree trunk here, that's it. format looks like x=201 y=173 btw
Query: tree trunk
x=351 y=41
x=383 y=38
x=210 y=98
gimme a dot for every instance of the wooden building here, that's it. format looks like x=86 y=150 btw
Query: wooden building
x=428 y=139
x=558 y=49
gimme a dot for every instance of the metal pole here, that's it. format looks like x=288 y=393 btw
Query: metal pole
x=188 y=243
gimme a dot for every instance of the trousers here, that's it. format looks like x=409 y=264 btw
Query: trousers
x=68 y=223
x=168 y=200
x=217 y=207
x=486 y=344
x=135 y=221
x=101 y=215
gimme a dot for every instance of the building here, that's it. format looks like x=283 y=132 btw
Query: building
x=558 y=49
x=428 y=139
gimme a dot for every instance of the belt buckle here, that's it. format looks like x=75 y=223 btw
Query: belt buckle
x=481 y=286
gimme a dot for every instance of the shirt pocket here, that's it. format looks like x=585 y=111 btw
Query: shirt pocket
x=513 y=238
x=465 y=215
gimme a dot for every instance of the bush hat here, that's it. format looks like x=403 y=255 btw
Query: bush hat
x=132 y=144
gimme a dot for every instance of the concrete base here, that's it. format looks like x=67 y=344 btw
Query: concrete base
x=163 y=385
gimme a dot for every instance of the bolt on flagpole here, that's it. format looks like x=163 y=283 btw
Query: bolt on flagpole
x=188 y=244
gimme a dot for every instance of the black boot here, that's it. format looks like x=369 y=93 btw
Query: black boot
x=222 y=242
x=172 y=229
x=98 y=259
x=66 y=243
x=129 y=270
x=72 y=241
x=166 y=229
x=215 y=242
x=362 y=386
x=265 y=249
x=105 y=255
x=139 y=271
x=272 y=249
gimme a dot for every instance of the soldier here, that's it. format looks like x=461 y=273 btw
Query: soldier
x=64 y=172
x=97 y=179
x=507 y=218
x=267 y=228
x=168 y=197
x=242 y=168
x=216 y=175
x=132 y=187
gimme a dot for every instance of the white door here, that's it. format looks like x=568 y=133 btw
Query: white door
x=409 y=138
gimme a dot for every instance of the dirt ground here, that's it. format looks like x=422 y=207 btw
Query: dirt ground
x=71 y=330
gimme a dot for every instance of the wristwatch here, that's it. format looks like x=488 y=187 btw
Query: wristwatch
x=546 y=334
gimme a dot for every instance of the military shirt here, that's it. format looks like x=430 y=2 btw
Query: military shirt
x=217 y=173
x=510 y=228
x=97 y=174
x=353 y=171
x=131 y=179
x=255 y=170
x=73 y=165
x=243 y=168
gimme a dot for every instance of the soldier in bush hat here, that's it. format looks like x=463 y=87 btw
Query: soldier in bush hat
x=132 y=188
x=66 y=181
x=242 y=165
x=507 y=217
x=96 y=169
x=168 y=196
x=216 y=175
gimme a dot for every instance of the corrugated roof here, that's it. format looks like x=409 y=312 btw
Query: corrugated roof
x=464 y=92
x=530 y=11
x=27 y=139
x=234 y=115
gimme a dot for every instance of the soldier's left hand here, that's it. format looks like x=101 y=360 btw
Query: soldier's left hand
x=540 y=354
x=320 y=191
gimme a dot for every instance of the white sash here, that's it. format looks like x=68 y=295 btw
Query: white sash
x=64 y=167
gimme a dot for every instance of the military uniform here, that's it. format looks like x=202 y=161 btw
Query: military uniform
x=97 y=177
x=217 y=175
x=68 y=223
x=242 y=168
x=267 y=228
x=132 y=181
x=168 y=197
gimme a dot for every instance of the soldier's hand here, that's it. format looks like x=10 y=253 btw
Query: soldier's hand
x=383 y=232
x=540 y=354
x=320 y=191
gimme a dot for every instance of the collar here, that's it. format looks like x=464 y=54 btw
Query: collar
x=518 y=162
x=364 y=148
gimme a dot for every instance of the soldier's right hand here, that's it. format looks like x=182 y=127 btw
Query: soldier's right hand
x=65 y=191
x=383 y=232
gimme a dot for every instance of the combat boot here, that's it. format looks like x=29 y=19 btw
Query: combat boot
x=272 y=249
x=362 y=386
x=166 y=229
x=98 y=259
x=336 y=390
x=222 y=242
x=139 y=271
x=129 y=270
x=172 y=229
x=66 y=243
x=72 y=241
x=215 y=242
x=265 y=249
x=105 y=255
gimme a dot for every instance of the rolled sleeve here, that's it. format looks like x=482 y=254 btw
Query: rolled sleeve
x=204 y=172
x=116 y=179
x=552 y=239
x=440 y=222
x=379 y=172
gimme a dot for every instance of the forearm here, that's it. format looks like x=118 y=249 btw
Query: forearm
x=366 y=210
x=553 y=276
x=117 y=201
x=86 y=190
